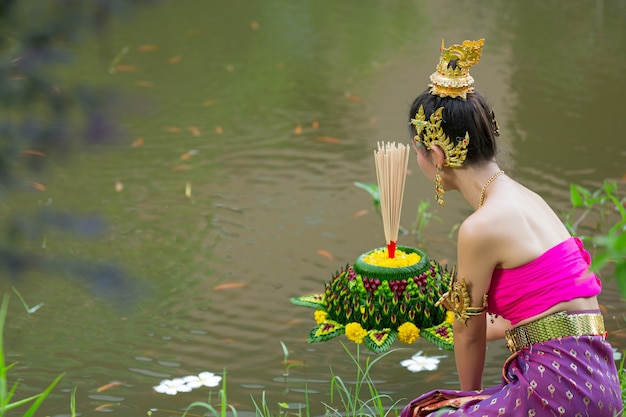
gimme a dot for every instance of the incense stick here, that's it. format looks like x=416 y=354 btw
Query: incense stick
x=391 y=165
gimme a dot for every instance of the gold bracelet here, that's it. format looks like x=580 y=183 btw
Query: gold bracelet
x=457 y=300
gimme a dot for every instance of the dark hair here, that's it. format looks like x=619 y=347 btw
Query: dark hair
x=472 y=115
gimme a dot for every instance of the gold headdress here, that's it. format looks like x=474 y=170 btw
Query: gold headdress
x=452 y=77
x=455 y=152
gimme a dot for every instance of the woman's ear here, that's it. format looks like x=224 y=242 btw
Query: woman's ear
x=438 y=155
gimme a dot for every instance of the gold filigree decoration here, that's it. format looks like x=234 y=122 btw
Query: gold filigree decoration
x=457 y=301
x=433 y=134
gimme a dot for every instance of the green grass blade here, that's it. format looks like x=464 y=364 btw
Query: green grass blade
x=33 y=408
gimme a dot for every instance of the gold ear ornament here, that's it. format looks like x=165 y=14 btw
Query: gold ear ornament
x=451 y=77
x=433 y=134
x=439 y=188
x=457 y=301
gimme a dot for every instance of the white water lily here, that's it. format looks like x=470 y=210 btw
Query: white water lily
x=209 y=379
x=172 y=386
x=419 y=363
x=188 y=383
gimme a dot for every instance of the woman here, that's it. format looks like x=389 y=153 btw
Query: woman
x=517 y=262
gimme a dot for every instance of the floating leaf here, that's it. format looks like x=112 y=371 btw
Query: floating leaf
x=137 y=142
x=351 y=97
x=230 y=286
x=119 y=186
x=359 y=213
x=209 y=103
x=31 y=152
x=325 y=254
x=125 y=68
x=38 y=186
x=188 y=190
x=327 y=139
x=147 y=48
x=194 y=131
x=181 y=168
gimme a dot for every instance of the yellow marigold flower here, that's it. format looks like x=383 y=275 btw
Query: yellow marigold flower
x=449 y=317
x=380 y=257
x=408 y=333
x=355 y=333
x=320 y=316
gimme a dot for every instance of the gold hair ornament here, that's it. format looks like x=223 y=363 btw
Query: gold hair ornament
x=433 y=134
x=457 y=301
x=454 y=80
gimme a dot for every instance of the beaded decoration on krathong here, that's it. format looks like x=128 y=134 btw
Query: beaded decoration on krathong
x=390 y=292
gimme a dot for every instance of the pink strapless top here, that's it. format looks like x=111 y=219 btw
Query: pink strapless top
x=559 y=274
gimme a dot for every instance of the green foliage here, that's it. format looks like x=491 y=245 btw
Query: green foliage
x=6 y=394
x=350 y=395
x=224 y=406
x=601 y=213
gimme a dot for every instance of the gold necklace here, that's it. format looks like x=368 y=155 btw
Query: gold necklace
x=489 y=181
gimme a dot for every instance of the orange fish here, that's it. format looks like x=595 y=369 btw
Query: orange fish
x=230 y=286
x=119 y=186
x=254 y=25
x=175 y=59
x=327 y=139
x=104 y=407
x=297 y=130
x=219 y=130
x=109 y=386
x=38 y=186
x=172 y=129
x=143 y=83
x=315 y=124
x=325 y=254
x=209 y=103
x=181 y=168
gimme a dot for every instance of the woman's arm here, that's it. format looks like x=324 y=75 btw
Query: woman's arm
x=477 y=258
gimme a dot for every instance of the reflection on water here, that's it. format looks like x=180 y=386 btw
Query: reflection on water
x=261 y=117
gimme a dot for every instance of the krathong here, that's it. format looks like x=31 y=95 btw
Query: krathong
x=375 y=304
x=390 y=292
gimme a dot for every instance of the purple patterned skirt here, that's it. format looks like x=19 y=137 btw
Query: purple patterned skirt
x=571 y=376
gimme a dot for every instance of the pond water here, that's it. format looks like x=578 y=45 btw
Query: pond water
x=233 y=189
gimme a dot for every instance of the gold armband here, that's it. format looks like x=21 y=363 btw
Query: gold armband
x=457 y=301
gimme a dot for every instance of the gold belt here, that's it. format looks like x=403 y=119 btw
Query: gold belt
x=554 y=326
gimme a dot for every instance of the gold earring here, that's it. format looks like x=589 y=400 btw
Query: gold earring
x=438 y=187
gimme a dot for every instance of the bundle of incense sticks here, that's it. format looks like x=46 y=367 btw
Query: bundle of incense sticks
x=391 y=165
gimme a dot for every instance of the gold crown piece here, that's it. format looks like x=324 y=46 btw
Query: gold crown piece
x=448 y=81
x=455 y=152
